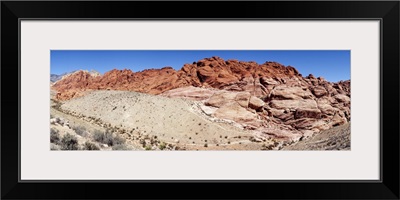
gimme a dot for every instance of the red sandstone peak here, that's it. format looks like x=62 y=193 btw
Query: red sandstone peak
x=212 y=72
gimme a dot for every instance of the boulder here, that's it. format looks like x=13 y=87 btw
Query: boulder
x=342 y=98
x=275 y=112
x=191 y=92
x=208 y=110
x=255 y=103
x=304 y=123
x=319 y=91
x=294 y=104
x=307 y=113
x=338 y=119
x=233 y=111
x=290 y=93
x=242 y=99
x=285 y=116
x=220 y=98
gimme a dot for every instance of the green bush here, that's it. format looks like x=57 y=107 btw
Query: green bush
x=90 y=146
x=69 y=142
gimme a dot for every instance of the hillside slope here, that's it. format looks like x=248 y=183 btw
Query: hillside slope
x=174 y=121
x=337 y=138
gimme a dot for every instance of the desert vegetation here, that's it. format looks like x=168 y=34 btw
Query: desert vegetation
x=108 y=138
x=78 y=137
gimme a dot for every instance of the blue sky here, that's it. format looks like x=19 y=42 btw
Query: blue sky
x=333 y=65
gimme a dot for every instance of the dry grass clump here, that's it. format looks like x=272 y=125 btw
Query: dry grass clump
x=90 y=146
x=107 y=137
x=80 y=130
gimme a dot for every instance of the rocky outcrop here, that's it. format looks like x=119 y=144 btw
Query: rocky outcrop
x=296 y=109
x=221 y=98
x=234 y=111
x=190 y=92
x=231 y=75
x=292 y=93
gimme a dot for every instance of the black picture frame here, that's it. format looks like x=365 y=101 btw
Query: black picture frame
x=386 y=11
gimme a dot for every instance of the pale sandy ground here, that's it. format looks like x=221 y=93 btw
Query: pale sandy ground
x=174 y=121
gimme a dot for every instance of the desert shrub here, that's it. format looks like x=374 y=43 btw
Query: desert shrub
x=162 y=146
x=80 y=130
x=90 y=146
x=69 y=142
x=121 y=147
x=108 y=138
x=147 y=148
x=54 y=136
x=117 y=140
x=99 y=136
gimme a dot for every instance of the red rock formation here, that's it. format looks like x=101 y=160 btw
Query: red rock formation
x=210 y=72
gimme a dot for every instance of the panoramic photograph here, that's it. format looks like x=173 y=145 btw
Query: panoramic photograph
x=199 y=100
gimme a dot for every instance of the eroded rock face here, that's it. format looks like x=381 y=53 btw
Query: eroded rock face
x=221 y=98
x=190 y=92
x=292 y=93
x=233 y=111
